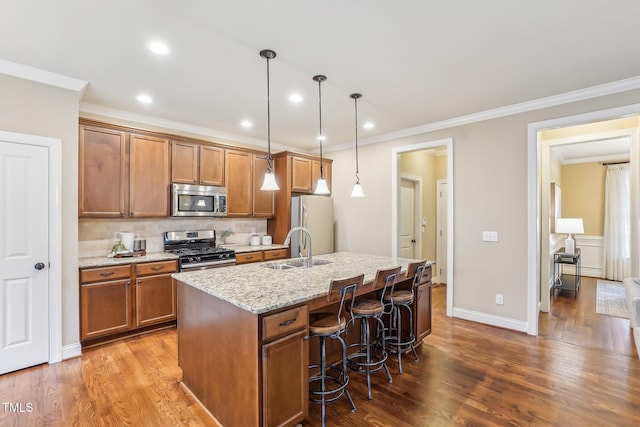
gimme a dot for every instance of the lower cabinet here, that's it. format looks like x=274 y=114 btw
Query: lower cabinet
x=285 y=379
x=258 y=256
x=422 y=310
x=123 y=298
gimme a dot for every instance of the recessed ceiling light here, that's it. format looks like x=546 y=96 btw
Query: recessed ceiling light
x=295 y=97
x=246 y=124
x=368 y=125
x=158 y=47
x=145 y=99
x=321 y=138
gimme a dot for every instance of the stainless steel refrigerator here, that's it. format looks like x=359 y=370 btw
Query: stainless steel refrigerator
x=315 y=213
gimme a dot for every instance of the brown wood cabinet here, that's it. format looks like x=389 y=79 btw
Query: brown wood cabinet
x=126 y=297
x=199 y=164
x=258 y=256
x=122 y=174
x=103 y=172
x=422 y=309
x=148 y=176
x=244 y=172
x=105 y=301
x=301 y=174
x=155 y=293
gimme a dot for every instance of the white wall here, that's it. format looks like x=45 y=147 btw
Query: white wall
x=37 y=109
x=490 y=176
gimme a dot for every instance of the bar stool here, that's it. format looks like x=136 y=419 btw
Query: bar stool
x=365 y=360
x=332 y=325
x=400 y=341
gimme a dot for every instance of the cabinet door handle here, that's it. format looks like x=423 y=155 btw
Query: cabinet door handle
x=107 y=273
x=129 y=282
x=288 y=322
x=249 y=257
x=157 y=268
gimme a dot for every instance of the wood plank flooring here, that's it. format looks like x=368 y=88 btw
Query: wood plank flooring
x=468 y=374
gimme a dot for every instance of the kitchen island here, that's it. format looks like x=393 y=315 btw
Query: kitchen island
x=243 y=334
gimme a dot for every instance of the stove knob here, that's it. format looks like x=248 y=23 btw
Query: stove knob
x=191 y=259
x=198 y=258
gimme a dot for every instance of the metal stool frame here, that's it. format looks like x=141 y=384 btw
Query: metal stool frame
x=364 y=360
x=334 y=324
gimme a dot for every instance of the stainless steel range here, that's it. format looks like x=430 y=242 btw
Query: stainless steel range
x=197 y=250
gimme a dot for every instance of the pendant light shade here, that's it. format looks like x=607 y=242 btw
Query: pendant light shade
x=269 y=183
x=357 y=188
x=321 y=186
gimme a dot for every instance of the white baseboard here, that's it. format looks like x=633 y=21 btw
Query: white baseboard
x=490 y=319
x=71 y=350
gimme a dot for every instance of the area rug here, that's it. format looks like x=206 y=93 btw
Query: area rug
x=610 y=299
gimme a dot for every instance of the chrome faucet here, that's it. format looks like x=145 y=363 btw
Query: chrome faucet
x=307 y=261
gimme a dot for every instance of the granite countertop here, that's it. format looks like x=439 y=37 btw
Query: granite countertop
x=106 y=261
x=248 y=248
x=258 y=289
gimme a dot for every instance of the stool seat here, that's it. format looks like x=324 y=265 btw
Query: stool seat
x=325 y=323
x=399 y=296
x=367 y=307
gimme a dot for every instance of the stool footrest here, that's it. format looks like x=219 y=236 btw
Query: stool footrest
x=334 y=388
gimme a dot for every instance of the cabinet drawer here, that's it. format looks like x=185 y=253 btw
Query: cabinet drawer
x=279 y=324
x=275 y=254
x=101 y=274
x=160 y=267
x=246 y=257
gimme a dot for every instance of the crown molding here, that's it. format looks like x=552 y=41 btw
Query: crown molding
x=509 y=110
x=114 y=113
x=41 y=76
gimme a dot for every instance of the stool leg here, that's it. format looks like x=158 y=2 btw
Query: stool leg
x=322 y=375
x=412 y=336
x=398 y=319
x=345 y=376
x=384 y=349
x=364 y=324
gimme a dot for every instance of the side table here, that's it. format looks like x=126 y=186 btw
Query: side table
x=566 y=282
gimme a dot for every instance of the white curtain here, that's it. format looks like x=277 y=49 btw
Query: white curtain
x=617 y=222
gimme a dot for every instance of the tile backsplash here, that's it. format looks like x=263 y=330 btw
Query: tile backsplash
x=96 y=235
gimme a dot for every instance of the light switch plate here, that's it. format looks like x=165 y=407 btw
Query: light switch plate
x=489 y=236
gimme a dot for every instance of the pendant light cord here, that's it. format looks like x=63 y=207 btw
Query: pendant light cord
x=321 y=137
x=269 y=165
x=356 y=108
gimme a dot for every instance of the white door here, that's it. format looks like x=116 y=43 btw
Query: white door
x=441 y=232
x=24 y=256
x=406 y=233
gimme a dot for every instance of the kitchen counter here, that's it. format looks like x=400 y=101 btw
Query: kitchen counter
x=106 y=261
x=258 y=289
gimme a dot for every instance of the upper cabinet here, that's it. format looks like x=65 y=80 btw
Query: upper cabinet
x=244 y=172
x=102 y=179
x=148 y=176
x=199 y=164
x=122 y=174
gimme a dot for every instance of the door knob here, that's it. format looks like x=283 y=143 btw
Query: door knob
x=39 y=266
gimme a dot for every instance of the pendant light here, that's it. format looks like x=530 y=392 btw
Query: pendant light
x=269 y=183
x=321 y=187
x=357 y=188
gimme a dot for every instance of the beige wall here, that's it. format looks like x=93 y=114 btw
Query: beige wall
x=583 y=195
x=490 y=193
x=36 y=109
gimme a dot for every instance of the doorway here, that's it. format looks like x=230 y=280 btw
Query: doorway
x=446 y=147
x=538 y=207
x=30 y=274
x=442 y=192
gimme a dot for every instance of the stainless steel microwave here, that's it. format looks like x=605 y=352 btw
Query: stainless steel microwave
x=198 y=200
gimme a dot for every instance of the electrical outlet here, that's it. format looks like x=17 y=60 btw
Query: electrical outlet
x=499 y=299
x=489 y=236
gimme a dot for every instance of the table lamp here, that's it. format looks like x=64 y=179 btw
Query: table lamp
x=570 y=226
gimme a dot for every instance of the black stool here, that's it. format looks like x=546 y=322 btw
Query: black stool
x=365 y=360
x=400 y=341
x=332 y=325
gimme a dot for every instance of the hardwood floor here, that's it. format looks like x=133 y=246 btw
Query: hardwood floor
x=468 y=374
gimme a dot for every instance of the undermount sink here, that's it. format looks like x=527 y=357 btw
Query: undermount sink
x=294 y=263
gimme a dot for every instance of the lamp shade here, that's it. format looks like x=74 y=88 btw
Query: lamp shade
x=569 y=225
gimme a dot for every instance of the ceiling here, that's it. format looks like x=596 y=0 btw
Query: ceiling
x=596 y=150
x=415 y=62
